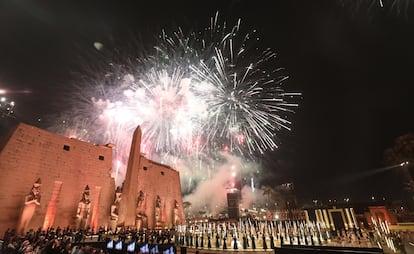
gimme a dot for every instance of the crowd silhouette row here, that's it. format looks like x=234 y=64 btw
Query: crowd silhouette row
x=222 y=236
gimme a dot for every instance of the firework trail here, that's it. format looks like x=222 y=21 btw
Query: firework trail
x=392 y=6
x=194 y=95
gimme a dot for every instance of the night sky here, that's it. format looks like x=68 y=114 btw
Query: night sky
x=352 y=63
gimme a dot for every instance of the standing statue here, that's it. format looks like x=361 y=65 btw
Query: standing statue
x=176 y=219
x=158 y=211
x=84 y=208
x=115 y=205
x=32 y=200
x=141 y=217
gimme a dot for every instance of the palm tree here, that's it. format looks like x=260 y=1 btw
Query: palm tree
x=402 y=153
x=186 y=207
x=186 y=204
x=267 y=191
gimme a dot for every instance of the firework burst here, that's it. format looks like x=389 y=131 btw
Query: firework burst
x=194 y=95
x=246 y=104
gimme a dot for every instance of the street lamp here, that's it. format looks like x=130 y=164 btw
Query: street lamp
x=402 y=164
x=6 y=107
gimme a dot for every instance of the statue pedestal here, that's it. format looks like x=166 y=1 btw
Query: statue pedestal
x=113 y=223
x=159 y=225
x=141 y=222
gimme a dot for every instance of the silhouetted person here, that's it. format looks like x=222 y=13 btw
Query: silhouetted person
x=224 y=242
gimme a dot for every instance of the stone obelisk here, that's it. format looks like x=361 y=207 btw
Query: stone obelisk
x=128 y=203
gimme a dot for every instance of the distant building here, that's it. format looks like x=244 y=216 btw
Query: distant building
x=233 y=202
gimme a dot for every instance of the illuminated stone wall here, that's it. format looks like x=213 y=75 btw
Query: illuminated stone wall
x=153 y=179
x=65 y=166
x=160 y=180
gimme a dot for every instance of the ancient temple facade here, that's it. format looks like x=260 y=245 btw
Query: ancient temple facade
x=48 y=180
x=151 y=193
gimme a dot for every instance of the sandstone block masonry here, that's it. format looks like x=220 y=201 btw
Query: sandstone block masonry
x=65 y=166
x=151 y=197
x=56 y=181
